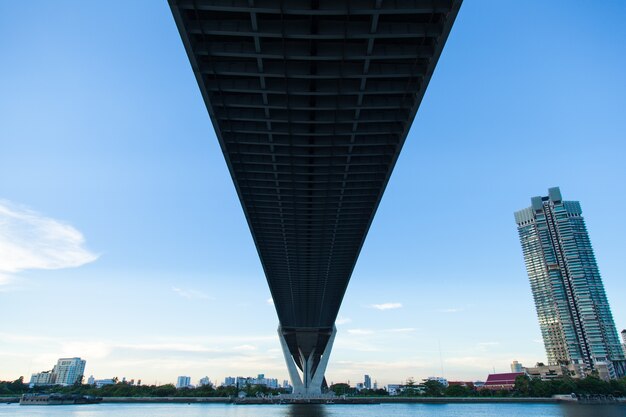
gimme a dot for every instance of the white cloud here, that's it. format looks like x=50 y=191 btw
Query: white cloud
x=483 y=346
x=191 y=294
x=245 y=348
x=449 y=310
x=29 y=240
x=168 y=347
x=386 y=306
x=360 y=331
x=270 y=301
x=343 y=320
x=402 y=330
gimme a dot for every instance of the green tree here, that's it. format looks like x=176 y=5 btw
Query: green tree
x=433 y=388
x=457 y=391
x=341 y=389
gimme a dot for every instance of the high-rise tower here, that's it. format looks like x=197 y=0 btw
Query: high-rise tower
x=573 y=311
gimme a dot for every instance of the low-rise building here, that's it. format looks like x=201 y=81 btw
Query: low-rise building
x=504 y=381
x=393 y=389
x=41 y=379
x=99 y=383
x=549 y=372
x=439 y=379
x=466 y=384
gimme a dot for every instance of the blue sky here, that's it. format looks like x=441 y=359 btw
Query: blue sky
x=122 y=239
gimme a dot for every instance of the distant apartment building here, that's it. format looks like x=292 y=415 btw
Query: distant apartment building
x=516 y=367
x=367 y=382
x=573 y=311
x=241 y=381
x=67 y=371
x=204 y=382
x=41 y=379
x=183 y=381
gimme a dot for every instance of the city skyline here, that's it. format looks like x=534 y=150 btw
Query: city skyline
x=110 y=159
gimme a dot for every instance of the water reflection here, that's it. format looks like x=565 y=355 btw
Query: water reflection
x=306 y=410
x=594 y=410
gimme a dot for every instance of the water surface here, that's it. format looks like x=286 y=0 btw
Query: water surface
x=333 y=410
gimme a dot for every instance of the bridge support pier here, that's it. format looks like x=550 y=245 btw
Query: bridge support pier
x=306 y=377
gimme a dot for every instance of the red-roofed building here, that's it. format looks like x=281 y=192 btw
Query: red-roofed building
x=502 y=381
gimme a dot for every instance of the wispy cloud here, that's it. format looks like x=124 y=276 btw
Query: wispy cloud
x=270 y=301
x=386 y=306
x=343 y=320
x=30 y=240
x=449 y=310
x=245 y=348
x=402 y=330
x=360 y=331
x=191 y=294
x=483 y=346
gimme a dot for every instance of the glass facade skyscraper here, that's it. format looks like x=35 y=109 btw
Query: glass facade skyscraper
x=572 y=307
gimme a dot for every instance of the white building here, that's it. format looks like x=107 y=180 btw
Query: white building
x=68 y=371
x=42 y=378
x=91 y=380
x=394 y=389
x=183 y=382
x=439 y=379
x=241 y=381
x=99 y=383
x=204 y=381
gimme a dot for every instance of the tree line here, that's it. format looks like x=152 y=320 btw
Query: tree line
x=524 y=387
x=125 y=389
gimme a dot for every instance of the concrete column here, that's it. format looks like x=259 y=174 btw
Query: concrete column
x=310 y=384
x=296 y=381
x=318 y=378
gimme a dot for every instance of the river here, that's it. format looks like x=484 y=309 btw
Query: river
x=333 y=410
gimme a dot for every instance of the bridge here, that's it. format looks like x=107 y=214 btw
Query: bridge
x=311 y=101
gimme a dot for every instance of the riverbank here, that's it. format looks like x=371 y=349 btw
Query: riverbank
x=328 y=400
x=336 y=400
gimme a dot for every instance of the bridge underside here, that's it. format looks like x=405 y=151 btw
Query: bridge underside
x=311 y=101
